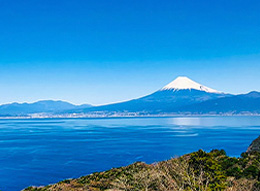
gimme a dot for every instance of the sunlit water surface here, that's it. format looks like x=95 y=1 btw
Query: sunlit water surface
x=40 y=152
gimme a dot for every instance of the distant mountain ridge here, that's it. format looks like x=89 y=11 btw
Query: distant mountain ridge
x=180 y=97
x=44 y=106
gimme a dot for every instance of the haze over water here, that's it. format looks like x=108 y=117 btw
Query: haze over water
x=40 y=152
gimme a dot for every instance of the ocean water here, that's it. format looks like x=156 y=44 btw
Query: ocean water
x=40 y=152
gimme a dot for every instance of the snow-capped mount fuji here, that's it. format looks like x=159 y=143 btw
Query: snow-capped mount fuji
x=180 y=92
x=184 y=83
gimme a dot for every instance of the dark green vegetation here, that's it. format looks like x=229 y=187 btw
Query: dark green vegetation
x=196 y=171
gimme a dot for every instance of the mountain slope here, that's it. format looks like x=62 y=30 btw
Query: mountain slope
x=237 y=104
x=180 y=92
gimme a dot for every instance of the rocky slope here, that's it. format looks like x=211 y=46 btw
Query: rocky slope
x=255 y=145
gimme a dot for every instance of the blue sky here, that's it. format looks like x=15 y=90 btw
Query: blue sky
x=101 y=51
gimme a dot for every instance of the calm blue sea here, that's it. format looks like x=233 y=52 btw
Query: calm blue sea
x=40 y=152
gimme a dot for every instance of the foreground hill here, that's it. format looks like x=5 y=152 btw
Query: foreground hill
x=200 y=171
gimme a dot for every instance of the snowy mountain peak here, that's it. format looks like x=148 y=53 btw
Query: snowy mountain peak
x=184 y=83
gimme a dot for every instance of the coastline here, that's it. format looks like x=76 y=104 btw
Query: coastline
x=127 y=116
